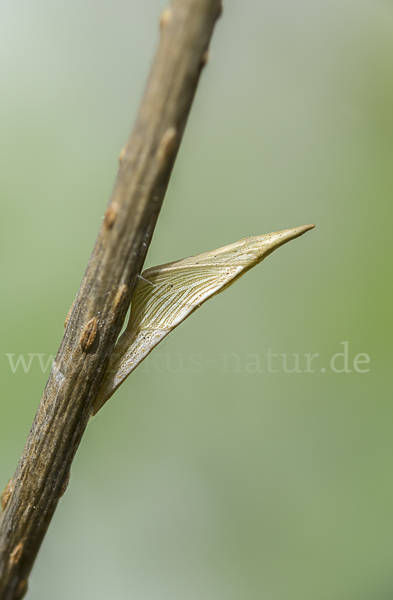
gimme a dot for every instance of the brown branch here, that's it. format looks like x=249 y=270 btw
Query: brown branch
x=96 y=317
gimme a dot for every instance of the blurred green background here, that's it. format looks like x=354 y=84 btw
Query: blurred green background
x=212 y=483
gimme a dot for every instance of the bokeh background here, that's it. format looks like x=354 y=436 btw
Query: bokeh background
x=213 y=481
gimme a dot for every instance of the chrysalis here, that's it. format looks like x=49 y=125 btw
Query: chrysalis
x=167 y=294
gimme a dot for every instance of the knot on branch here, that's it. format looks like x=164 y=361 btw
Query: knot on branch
x=88 y=335
x=167 y=147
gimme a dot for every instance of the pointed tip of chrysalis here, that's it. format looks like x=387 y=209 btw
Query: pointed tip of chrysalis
x=263 y=245
x=307 y=227
x=291 y=234
x=271 y=241
x=294 y=232
x=304 y=228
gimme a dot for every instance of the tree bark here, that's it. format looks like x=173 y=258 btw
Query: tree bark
x=96 y=317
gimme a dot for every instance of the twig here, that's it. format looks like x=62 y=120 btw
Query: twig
x=95 y=319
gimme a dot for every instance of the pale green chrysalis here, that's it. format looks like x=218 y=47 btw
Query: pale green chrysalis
x=167 y=294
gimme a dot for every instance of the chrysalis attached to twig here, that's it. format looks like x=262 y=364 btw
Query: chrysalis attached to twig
x=167 y=294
